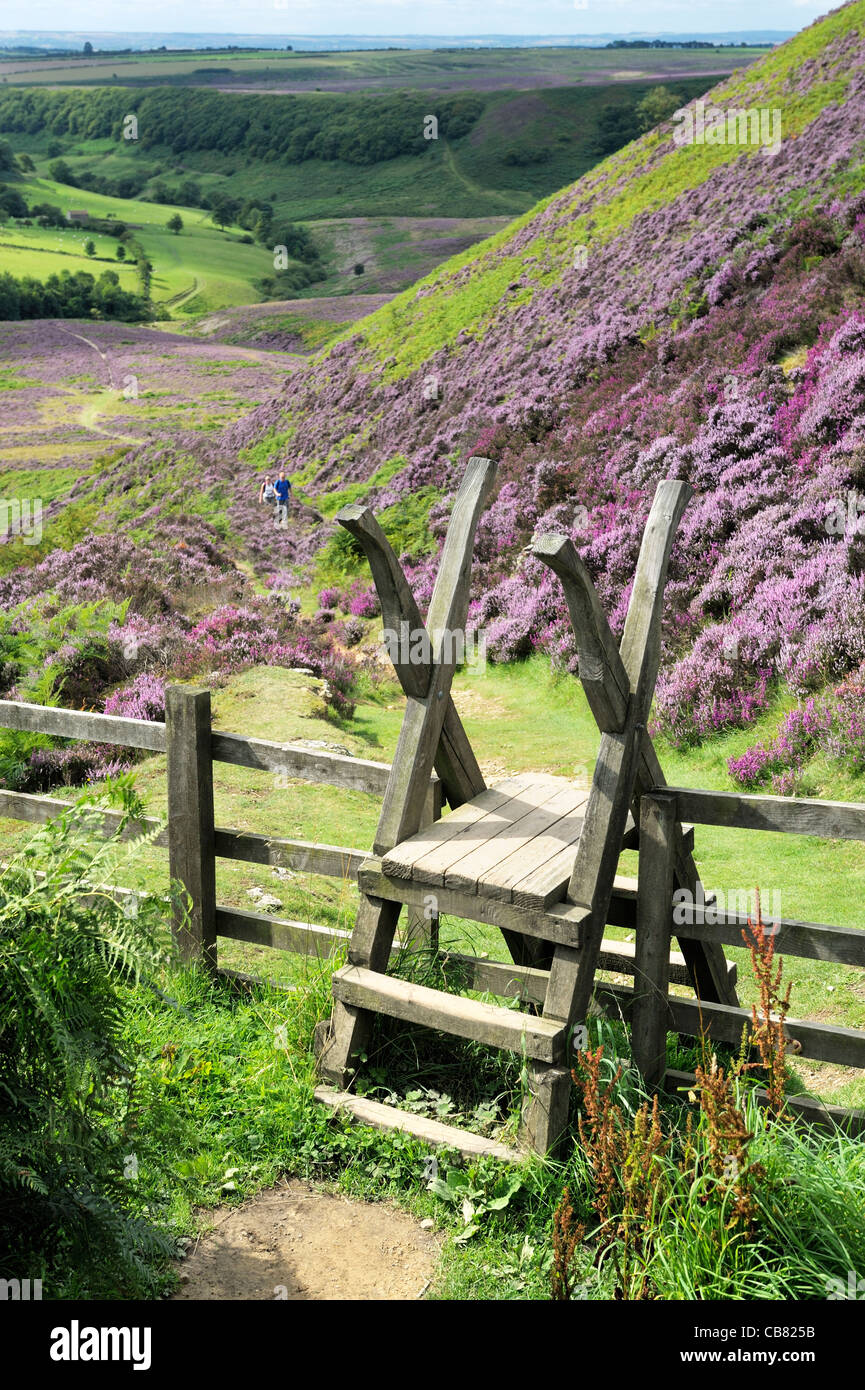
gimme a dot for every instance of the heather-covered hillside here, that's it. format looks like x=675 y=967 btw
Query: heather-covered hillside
x=684 y=310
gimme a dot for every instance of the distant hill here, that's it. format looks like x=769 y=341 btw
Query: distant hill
x=689 y=310
x=60 y=40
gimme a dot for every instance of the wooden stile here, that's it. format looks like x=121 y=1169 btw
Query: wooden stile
x=533 y=855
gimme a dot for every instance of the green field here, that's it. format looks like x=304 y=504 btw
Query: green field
x=201 y=269
x=40 y=252
x=443 y=70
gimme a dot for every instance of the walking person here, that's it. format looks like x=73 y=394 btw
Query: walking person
x=283 y=497
x=267 y=493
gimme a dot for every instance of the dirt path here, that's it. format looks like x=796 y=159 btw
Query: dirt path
x=294 y=1242
x=469 y=183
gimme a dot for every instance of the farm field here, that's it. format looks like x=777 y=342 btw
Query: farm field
x=371 y=71
x=202 y=267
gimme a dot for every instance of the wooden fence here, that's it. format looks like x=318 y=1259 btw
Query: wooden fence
x=194 y=843
x=193 y=840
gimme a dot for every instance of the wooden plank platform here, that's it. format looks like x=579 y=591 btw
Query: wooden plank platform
x=514 y=843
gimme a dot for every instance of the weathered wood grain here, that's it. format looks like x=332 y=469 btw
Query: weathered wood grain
x=306 y=764
x=83 y=724
x=600 y=670
x=300 y=938
x=454 y=760
x=830 y=820
x=449 y=1013
x=561 y=923
x=332 y=861
x=513 y=843
x=425 y=855
x=191 y=855
x=525 y=861
x=388 y=1117
x=650 y=1018
x=424 y=715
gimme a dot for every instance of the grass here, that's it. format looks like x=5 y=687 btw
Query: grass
x=207 y=268
x=442 y=69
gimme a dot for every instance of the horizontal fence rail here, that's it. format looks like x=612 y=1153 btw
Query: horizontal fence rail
x=787 y=815
x=291 y=760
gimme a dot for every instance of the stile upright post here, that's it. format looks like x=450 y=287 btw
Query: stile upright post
x=191 y=855
x=422 y=924
x=656 y=874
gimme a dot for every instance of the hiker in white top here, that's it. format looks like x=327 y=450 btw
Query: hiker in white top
x=267 y=493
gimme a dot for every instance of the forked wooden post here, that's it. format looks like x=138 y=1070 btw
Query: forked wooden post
x=431 y=734
x=656 y=874
x=191 y=854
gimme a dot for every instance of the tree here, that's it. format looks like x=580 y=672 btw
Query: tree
x=121 y=252
x=88 y=47
x=90 y=248
x=25 y=163
x=223 y=210
x=61 y=173
x=12 y=201
x=658 y=105
x=175 y=223
x=48 y=215
x=7 y=157
x=617 y=125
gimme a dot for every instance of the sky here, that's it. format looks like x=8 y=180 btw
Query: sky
x=391 y=17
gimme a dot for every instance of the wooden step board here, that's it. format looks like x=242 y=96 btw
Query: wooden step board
x=515 y=843
x=540 y=1038
x=433 y=1132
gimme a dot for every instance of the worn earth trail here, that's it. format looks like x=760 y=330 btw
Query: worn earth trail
x=299 y=1243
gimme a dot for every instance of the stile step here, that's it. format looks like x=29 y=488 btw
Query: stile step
x=540 y=1038
x=373 y=1112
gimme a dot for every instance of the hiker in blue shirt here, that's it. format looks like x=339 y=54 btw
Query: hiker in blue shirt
x=283 y=497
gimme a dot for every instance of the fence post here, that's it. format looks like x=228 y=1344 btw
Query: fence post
x=190 y=820
x=422 y=924
x=658 y=819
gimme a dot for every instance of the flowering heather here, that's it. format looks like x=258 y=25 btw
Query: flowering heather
x=143 y=699
x=835 y=722
x=82 y=622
